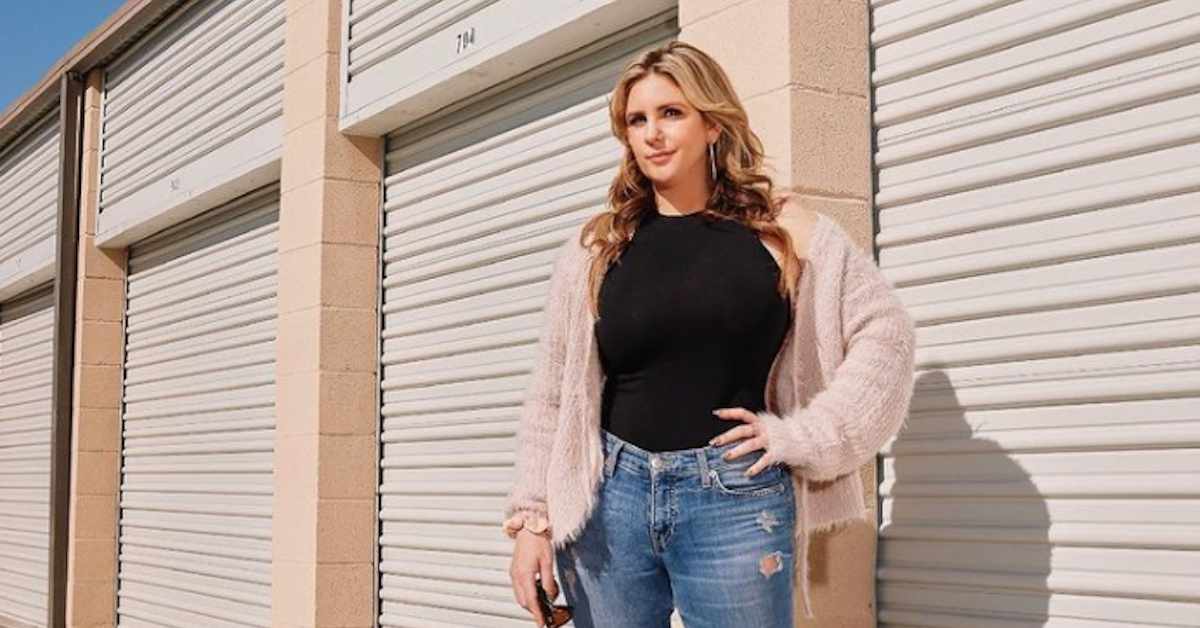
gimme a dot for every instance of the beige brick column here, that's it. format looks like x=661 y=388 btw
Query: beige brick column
x=801 y=68
x=326 y=461
x=96 y=399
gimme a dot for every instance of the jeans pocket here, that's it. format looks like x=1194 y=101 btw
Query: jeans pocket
x=732 y=480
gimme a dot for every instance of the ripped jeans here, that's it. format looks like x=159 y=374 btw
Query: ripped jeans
x=683 y=529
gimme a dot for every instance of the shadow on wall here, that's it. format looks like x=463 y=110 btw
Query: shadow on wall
x=965 y=539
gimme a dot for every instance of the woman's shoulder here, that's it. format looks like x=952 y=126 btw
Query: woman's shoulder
x=804 y=224
x=826 y=248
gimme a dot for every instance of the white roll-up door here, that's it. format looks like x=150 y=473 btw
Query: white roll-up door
x=194 y=104
x=199 y=420
x=26 y=366
x=29 y=169
x=477 y=202
x=1039 y=213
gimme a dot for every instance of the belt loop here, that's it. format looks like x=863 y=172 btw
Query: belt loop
x=702 y=457
x=611 y=463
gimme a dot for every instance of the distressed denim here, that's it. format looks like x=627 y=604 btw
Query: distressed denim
x=683 y=529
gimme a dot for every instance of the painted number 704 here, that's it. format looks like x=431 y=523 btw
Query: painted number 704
x=465 y=40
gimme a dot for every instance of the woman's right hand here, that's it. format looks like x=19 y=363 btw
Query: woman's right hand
x=532 y=556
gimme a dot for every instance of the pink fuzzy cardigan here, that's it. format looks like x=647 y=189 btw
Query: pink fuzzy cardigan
x=838 y=390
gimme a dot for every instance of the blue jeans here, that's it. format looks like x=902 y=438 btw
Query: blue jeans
x=683 y=529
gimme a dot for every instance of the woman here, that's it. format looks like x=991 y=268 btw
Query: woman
x=715 y=365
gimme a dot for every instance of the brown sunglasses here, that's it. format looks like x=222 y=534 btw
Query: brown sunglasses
x=556 y=615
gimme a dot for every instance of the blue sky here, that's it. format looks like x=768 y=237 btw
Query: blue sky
x=35 y=34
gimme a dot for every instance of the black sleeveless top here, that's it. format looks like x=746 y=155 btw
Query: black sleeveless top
x=690 y=321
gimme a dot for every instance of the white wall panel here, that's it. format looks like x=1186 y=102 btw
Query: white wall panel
x=405 y=59
x=26 y=369
x=191 y=117
x=29 y=171
x=1039 y=215
x=198 y=422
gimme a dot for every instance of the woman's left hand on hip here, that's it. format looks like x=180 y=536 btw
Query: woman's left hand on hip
x=751 y=431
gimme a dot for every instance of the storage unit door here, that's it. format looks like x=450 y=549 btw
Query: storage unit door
x=198 y=422
x=26 y=365
x=194 y=104
x=1039 y=213
x=476 y=204
x=29 y=169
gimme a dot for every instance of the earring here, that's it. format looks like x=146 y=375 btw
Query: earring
x=712 y=160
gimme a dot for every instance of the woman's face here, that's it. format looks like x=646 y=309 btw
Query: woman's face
x=668 y=137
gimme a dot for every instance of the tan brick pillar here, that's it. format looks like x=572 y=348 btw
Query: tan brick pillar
x=96 y=399
x=326 y=460
x=802 y=69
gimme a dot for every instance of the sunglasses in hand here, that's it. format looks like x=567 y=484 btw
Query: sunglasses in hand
x=555 y=615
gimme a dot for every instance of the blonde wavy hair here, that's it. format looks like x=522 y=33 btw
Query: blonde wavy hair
x=742 y=192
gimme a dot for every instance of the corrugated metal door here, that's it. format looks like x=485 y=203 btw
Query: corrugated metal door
x=476 y=204
x=1040 y=214
x=199 y=420
x=26 y=365
x=28 y=199
x=194 y=103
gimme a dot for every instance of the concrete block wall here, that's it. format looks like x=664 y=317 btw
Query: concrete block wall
x=326 y=448
x=96 y=400
x=802 y=69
